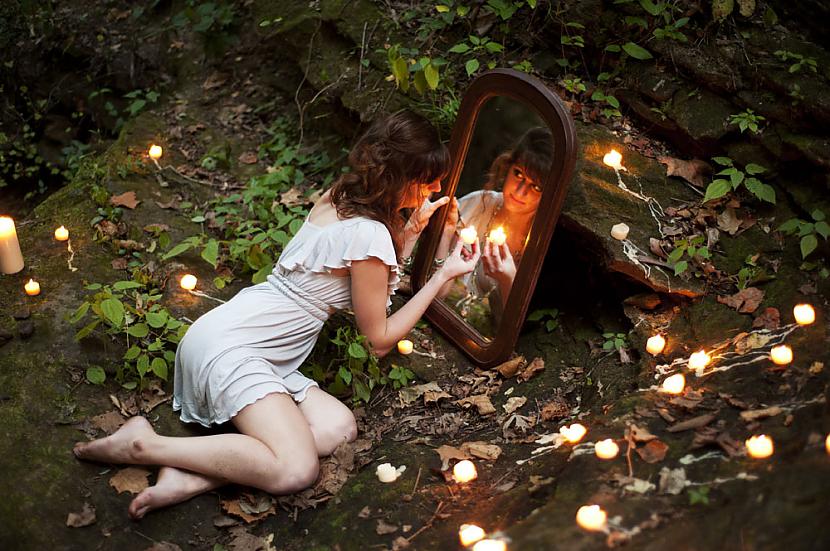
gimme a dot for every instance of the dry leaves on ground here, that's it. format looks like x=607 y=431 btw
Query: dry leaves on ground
x=249 y=507
x=84 y=518
x=531 y=369
x=108 y=422
x=245 y=541
x=131 y=479
x=482 y=450
x=481 y=402
x=514 y=403
x=755 y=414
x=744 y=342
x=693 y=423
x=693 y=171
x=411 y=393
x=555 y=409
x=448 y=453
x=248 y=158
x=639 y=434
x=770 y=318
x=510 y=367
x=744 y=301
x=384 y=528
x=126 y=199
x=654 y=451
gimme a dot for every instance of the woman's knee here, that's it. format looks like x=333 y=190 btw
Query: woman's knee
x=294 y=474
x=335 y=431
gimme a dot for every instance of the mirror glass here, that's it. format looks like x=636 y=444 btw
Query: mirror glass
x=498 y=192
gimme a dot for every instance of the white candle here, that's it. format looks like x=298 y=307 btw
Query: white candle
x=61 y=234
x=699 y=360
x=188 y=282
x=655 y=344
x=464 y=471
x=387 y=473
x=606 y=449
x=11 y=259
x=619 y=231
x=32 y=288
x=674 y=384
x=759 y=447
x=804 y=314
x=827 y=443
x=490 y=545
x=469 y=235
x=591 y=517
x=405 y=346
x=497 y=236
x=573 y=433
x=781 y=355
x=155 y=152
x=613 y=159
x=468 y=534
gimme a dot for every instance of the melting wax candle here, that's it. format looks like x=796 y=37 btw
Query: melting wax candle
x=827 y=443
x=781 y=355
x=468 y=534
x=497 y=236
x=61 y=234
x=591 y=517
x=188 y=282
x=405 y=346
x=804 y=314
x=11 y=259
x=490 y=545
x=32 y=288
x=674 y=384
x=613 y=159
x=606 y=449
x=759 y=447
x=655 y=344
x=464 y=471
x=155 y=152
x=386 y=473
x=699 y=360
x=619 y=231
x=573 y=433
x=469 y=235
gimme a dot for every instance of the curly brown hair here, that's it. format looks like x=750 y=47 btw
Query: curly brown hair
x=533 y=151
x=396 y=151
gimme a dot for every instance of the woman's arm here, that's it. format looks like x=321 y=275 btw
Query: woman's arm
x=499 y=264
x=369 y=287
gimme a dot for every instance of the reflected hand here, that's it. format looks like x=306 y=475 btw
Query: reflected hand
x=451 y=222
x=461 y=261
x=420 y=218
x=498 y=262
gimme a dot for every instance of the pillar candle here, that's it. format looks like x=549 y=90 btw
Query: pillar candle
x=11 y=259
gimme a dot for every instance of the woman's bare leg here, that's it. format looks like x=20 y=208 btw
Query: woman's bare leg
x=331 y=421
x=173 y=486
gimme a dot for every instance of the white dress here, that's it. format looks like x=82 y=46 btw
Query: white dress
x=254 y=344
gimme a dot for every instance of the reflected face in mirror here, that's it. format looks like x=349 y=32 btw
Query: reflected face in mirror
x=521 y=192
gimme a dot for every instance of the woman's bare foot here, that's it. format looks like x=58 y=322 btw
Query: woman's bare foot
x=173 y=486
x=120 y=447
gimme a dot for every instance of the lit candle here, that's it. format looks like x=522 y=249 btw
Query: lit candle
x=497 y=236
x=759 y=447
x=804 y=314
x=11 y=259
x=32 y=288
x=490 y=545
x=613 y=159
x=464 y=471
x=674 y=384
x=386 y=473
x=188 y=282
x=827 y=443
x=781 y=355
x=619 y=231
x=155 y=152
x=606 y=449
x=591 y=517
x=699 y=360
x=405 y=346
x=61 y=234
x=470 y=533
x=573 y=433
x=655 y=344
x=469 y=235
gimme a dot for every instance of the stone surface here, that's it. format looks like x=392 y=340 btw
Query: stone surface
x=25 y=329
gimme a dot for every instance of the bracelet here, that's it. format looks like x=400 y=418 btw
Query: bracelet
x=438 y=262
x=406 y=263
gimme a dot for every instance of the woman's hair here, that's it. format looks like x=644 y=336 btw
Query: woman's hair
x=395 y=151
x=533 y=152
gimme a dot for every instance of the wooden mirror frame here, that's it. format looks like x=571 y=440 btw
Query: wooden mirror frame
x=550 y=108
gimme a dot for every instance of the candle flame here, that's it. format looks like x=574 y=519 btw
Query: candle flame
x=674 y=384
x=464 y=471
x=155 y=152
x=655 y=344
x=188 y=282
x=613 y=159
x=591 y=517
x=760 y=446
x=468 y=534
x=573 y=433
x=804 y=314
x=781 y=355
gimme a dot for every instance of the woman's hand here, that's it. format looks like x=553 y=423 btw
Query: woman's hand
x=460 y=261
x=498 y=263
x=420 y=218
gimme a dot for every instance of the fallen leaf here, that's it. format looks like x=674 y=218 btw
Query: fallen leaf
x=108 y=422
x=482 y=450
x=432 y=396
x=481 y=402
x=214 y=80
x=755 y=414
x=448 y=453
x=156 y=228
x=364 y=513
x=531 y=369
x=750 y=341
x=84 y=518
x=126 y=199
x=653 y=452
x=693 y=423
x=510 y=367
x=293 y=197
x=517 y=423
x=555 y=409
x=384 y=528
x=131 y=479
x=245 y=541
x=690 y=400
x=234 y=507
x=729 y=222
x=224 y=521
x=770 y=318
x=640 y=434
x=693 y=171
x=400 y=543
x=514 y=403
x=808 y=289
x=411 y=393
x=732 y=447
x=119 y=264
x=248 y=158
x=744 y=301
x=816 y=368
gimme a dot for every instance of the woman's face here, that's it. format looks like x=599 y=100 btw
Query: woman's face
x=417 y=192
x=521 y=192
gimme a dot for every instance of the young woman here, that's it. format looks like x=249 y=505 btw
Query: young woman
x=240 y=361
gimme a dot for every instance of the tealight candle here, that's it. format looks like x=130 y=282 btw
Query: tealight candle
x=655 y=344
x=781 y=355
x=606 y=449
x=591 y=517
x=386 y=473
x=155 y=152
x=804 y=314
x=699 y=360
x=613 y=159
x=11 y=259
x=468 y=235
x=32 y=288
x=490 y=545
x=674 y=384
x=61 y=234
x=405 y=346
x=759 y=447
x=468 y=534
x=619 y=231
x=188 y=282
x=573 y=433
x=827 y=443
x=497 y=236
x=464 y=471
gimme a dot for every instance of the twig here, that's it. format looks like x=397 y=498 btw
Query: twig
x=360 y=63
x=629 y=438
x=417 y=480
x=429 y=522
x=300 y=108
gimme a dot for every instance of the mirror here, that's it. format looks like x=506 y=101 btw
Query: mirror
x=513 y=148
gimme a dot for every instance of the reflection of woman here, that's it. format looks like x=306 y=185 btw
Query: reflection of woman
x=518 y=173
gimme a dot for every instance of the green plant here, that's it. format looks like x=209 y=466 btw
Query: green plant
x=614 y=341
x=130 y=312
x=399 y=376
x=800 y=61
x=699 y=496
x=721 y=186
x=807 y=231
x=613 y=104
x=352 y=368
x=576 y=40
x=550 y=316
x=693 y=249
x=474 y=46
x=424 y=71
x=747 y=120
x=749 y=272
x=574 y=85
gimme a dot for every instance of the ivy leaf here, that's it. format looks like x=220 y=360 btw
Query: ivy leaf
x=113 y=311
x=142 y=365
x=675 y=255
x=87 y=330
x=177 y=250
x=401 y=73
x=157 y=319
x=760 y=190
x=723 y=161
x=818 y=215
x=471 y=66
x=717 y=189
x=132 y=353
x=159 y=367
x=357 y=351
x=345 y=374
x=822 y=229
x=79 y=313
x=124 y=285
x=808 y=244
x=431 y=76
x=790 y=226
x=211 y=252
x=635 y=51
x=680 y=267
x=95 y=375
x=139 y=330
x=460 y=48
x=752 y=168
